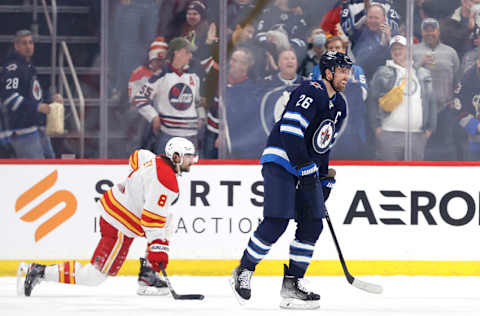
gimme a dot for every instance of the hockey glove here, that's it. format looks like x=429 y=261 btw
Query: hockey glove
x=158 y=254
x=327 y=183
x=309 y=192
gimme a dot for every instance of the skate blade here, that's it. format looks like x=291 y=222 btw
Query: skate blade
x=144 y=290
x=21 y=273
x=293 y=303
x=240 y=299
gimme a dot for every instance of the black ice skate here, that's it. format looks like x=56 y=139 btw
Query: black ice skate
x=295 y=295
x=149 y=282
x=35 y=273
x=240 y=283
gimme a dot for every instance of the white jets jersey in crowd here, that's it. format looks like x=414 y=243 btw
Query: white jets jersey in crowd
x=138 y=79
x=139 y=205
x=174 y=96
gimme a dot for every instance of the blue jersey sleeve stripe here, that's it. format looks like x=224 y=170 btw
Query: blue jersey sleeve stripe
x=290 y=129
x=295 y=116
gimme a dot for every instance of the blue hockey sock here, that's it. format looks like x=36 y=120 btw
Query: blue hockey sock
x=267 y=233
x=301 y=253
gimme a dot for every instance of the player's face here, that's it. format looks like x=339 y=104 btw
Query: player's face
x=193 y=17
x=188 y=161
x=24 y=46
x=341 y=77
x=287 y=62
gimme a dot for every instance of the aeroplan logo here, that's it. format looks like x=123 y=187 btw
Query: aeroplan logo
x=61 y=196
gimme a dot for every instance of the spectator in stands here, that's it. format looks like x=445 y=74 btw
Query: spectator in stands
x=133 y=29
x=244 y=138
x=243 y=35
x=444 y=64
x=195 y=28
x=353 y=143
x=171 y=15
x=465 y=14
x=6 y=150
x=274 y=90
x=238 y=14
x=470 y=58
x=467 y=102
x=370 y=40
x=282 y=17
x=391 y=114
x=171 y=99
x=22 y=95
x=316 y=48
x=142 y=132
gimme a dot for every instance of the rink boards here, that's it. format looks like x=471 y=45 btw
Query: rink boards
x=411 y=219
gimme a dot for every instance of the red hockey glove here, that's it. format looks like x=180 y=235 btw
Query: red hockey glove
x=158 y=254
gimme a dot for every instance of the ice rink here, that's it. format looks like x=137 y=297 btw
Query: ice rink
x=402 y=295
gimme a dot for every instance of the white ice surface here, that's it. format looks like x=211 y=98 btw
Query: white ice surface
x=402 y=295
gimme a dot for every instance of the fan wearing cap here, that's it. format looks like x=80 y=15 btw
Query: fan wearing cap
x=396 y=108
x=443 y=62
x=170 y=100
x=155 y=59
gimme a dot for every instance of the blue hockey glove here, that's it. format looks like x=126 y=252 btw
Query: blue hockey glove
x=327 y=183
x=309 y=194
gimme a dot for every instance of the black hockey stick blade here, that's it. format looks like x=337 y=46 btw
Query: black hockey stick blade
x=359 y=284
x=180 y=296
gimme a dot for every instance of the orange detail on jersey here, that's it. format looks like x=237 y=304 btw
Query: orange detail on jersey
x=162 y=200
x=192 y=82
x=121 y=213
x=150 y=219
x=166 y=175
x=133 y=161
x=139 y=73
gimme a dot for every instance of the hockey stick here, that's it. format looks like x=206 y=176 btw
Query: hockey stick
x=362 y=285
x=180 y=296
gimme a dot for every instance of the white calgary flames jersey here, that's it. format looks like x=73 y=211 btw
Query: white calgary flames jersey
x=139 y=205
x=174 y=97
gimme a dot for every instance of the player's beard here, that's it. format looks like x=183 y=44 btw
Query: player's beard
x=338 y=86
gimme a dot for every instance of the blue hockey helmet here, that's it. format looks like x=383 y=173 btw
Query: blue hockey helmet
x=332 y=59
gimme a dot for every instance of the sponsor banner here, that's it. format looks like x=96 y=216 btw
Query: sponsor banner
x=389 y=213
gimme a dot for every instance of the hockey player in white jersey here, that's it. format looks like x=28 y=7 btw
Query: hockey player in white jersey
x=136 y=207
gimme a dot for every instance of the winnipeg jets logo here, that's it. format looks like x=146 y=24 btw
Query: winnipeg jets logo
x=323 y=137
x=12 y=67
x=181 y=96
x=36 y=90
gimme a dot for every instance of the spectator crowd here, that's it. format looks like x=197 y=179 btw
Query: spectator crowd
x=165 y=71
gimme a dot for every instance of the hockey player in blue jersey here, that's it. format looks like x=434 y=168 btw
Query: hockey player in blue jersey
x=295 y=169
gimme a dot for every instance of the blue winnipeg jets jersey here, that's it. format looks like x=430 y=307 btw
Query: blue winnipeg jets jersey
x=308 y=128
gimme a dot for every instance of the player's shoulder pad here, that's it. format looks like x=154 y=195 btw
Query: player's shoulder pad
x=11 y=67
x=312 y=87
x=165 y=175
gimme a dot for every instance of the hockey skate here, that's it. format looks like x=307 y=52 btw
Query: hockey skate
x=34 y=274
x=240 y=283
x=295 y=295
x=149 y=282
